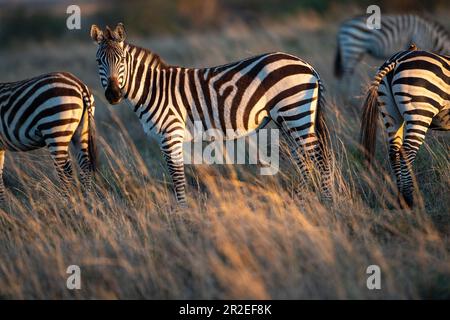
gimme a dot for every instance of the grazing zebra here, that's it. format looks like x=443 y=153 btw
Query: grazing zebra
x=397 y=31
x=241 y=96
x=412 y=92
x=50 y=110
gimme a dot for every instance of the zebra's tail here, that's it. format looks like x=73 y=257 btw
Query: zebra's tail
x=89 y=108
x=369 y=123
x=338 y=71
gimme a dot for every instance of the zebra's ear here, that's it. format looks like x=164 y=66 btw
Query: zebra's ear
x=96 y=34
x=119 y=32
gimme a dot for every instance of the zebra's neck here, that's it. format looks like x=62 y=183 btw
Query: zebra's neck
x=142 y=66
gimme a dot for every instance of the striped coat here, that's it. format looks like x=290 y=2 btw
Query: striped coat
x=235 y=99
x=412 y=93
x=50 y=111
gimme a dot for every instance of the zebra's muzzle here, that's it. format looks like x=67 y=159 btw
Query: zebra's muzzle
x=113 y=93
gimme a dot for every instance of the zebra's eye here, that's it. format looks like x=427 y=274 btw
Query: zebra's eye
x=98 y=60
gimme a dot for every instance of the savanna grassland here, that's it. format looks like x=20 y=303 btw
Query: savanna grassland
x=244 y=235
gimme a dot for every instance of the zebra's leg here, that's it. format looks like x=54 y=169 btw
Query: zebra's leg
x=394 y=124
x=59 y=151
x=314 y=157
x=172 y=149
x=2 y=185
x=80 y=141
x=395 y=157
x=307 y=154
x=417 y=117
x=322 y=159
x=297 y=120
x=302 y=157
x=86 y=169
x=416 y=129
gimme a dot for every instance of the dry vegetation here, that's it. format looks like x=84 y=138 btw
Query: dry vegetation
x=243 y=236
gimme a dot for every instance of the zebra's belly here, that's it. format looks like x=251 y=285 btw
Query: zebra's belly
x=198 y=132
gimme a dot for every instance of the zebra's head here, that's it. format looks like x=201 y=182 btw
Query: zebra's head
x=112 y=61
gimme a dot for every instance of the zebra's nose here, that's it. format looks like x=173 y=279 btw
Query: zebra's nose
x=113 y=93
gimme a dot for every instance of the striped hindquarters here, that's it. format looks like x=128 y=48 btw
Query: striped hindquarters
x=35 y=110
x=411 y=91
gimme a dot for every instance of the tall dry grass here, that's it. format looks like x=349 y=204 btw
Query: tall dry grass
x=243 y=235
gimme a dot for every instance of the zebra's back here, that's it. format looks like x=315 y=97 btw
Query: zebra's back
x=242 y=96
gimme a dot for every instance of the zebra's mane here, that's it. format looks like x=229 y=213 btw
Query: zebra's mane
x=159 y=61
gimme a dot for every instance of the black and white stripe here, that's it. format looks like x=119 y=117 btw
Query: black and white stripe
x=412 y=93
x=240 y=96
x=396 y=33
x=50 y=110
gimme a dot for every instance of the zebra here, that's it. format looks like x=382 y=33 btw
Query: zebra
x=355 y=39
x=49 y=110
x=412 y=92
x=241 y=96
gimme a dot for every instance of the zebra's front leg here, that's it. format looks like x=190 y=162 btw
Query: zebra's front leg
x=2 y=185
x=172 y=149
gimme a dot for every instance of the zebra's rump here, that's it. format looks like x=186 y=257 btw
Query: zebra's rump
x=419 y=82
x=423 y=76
x=33 y=109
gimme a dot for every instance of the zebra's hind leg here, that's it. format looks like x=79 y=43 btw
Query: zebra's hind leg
x=322 y=159
x=315 y=158
x=302 y=158
x=310 y=156
x=86 y=169
x=408 y=155
x=2 y=185
x=417 y=124
x=394 y=124
x=395 y=140
x=59 y=151
x=297 y=121
x=172 y=149
x=65 y=173
x=80 y=141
